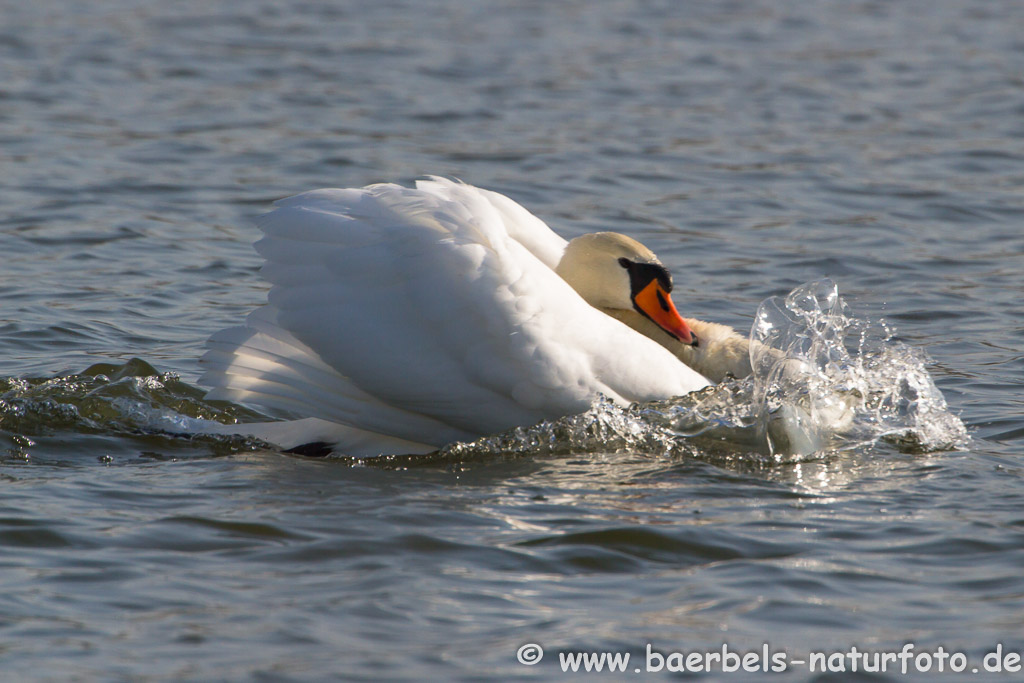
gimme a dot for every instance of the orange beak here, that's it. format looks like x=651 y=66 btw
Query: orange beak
x=654 y=302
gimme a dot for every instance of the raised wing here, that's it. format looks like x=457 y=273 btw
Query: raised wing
x=429 y=314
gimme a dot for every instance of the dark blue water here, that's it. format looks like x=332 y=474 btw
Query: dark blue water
x=753 y=145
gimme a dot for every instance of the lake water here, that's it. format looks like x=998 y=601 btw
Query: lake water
x=753 y=145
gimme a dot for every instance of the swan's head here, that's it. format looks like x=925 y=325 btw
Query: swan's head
x=616 y=273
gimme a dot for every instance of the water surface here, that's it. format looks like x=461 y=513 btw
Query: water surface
x=754 y=146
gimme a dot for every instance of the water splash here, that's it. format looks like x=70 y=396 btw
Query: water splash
x=132 y=398
x=830 y=379
x=822 y=380
x=606 y=427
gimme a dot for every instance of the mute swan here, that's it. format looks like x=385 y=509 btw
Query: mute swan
x=401 y=319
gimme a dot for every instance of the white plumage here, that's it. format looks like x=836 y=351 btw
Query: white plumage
x=401 y=319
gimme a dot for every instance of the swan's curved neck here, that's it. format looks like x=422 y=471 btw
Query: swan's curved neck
x=721 y=352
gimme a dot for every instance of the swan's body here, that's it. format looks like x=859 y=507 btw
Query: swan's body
x=402 y=319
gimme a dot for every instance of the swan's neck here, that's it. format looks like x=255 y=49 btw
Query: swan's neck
x=721 y=351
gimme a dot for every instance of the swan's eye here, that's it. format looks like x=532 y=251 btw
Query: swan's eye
x=642 y=274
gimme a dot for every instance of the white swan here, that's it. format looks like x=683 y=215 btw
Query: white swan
x=401 y=319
